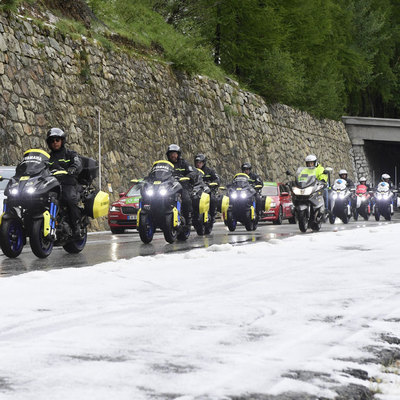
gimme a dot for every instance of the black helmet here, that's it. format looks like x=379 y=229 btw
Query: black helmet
x=246 y=165
x=55 y=132
x=200 y=157
x=172 y=148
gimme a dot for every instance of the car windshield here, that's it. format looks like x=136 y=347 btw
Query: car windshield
x=33 y=163
x=134 y=191
x=6 y=172
x=270 y=191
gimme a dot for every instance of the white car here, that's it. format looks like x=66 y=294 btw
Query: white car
x=5 y=172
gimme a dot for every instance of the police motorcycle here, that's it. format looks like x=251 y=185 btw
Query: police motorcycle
x=361 y=203
x=160 y=205
x=33 y=208
x=239 y=205
x=340 y=202
x=383 y=202
x=307 y=196
x=201 y=217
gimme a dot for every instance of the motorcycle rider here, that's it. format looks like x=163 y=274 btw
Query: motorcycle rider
x=255 y=180
x=312 y=163
x=62 y=158
x=344 y=175
x=363 y=181
x=210 y=176
x=184 y=169
x=386 y=178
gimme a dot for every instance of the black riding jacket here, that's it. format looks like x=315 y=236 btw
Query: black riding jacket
x=210 y=176
x=255 y=179
x=68 y=160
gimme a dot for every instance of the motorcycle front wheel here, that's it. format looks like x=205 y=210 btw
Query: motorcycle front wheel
x=303 y=221
x=40 y=245
x=231 y=222
x=146 y=229
x=169 y=231
x=11 y=237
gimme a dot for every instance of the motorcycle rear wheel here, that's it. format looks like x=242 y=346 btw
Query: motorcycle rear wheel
x=184 y=234
x=76 y=246
x=146 y=229
x=40 y=245
x=11 y=237
x=169 y=231
x=200 y=225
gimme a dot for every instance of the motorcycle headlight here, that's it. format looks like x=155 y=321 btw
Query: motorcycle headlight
x=150 y=192
x=342 y=195
x=163 y=192
x=234 y=195
x=30 y=190
x=114 y=208
x=296 y=190
x=243 y=195
x=14 y=191
x=334 y=196
x=378 y=196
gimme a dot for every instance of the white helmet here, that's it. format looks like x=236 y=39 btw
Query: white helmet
x=385 y=176
x=342 y=171
x=311 y=157
x=363 y=179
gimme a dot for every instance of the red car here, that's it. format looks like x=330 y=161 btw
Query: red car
x=122 y=213
x=281 y=203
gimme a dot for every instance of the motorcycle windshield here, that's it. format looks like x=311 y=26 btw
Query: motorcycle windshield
x=33 y=163
x=240 y=181
x=305 y=177
x=161 y=171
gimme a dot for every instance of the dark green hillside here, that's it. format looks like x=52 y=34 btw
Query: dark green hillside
x=327 y=57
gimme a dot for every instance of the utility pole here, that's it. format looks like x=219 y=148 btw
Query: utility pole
x=98 y=123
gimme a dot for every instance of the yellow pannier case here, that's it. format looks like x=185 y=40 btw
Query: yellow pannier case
x=101 y=203
x=267 y=203
x=204 y=204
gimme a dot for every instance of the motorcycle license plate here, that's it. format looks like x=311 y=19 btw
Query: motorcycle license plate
x=131 y=217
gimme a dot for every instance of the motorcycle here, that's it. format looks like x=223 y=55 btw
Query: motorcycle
x=361 y=203
x=33 y=207
x=308 y=201
x=383 y=202
x=240 y=204
x=160 y=205
x=201 y=217
x=340 y=202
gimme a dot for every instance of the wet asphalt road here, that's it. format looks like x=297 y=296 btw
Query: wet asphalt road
x=104 y=246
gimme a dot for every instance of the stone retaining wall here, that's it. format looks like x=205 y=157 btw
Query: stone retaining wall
x=48 y=80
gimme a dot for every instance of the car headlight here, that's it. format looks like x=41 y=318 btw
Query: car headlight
x=273 y=205
x=114 y=208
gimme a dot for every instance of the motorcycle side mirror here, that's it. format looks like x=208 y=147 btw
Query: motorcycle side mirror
x=1 y=178
x=328 y=170
x=122 y=194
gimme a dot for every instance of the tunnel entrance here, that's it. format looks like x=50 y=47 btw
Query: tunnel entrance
x=383 y=157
